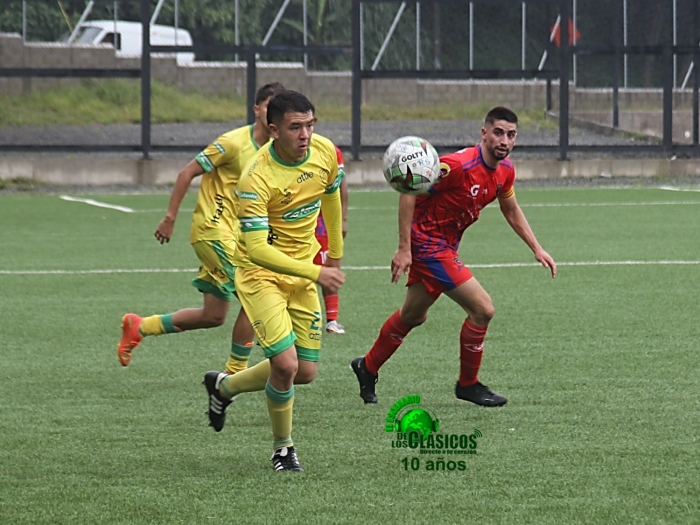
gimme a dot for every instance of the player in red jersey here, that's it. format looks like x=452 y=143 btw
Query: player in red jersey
x=331 y=300
x=430 y=229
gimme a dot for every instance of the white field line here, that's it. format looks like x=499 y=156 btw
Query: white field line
x=163 y=210
x=671 y=188
x=557 y=205
x=352 y=268
x=99 y=204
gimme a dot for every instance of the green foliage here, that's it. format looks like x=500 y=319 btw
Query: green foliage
x=119 y=101
x=116 y=101
x=444 y=31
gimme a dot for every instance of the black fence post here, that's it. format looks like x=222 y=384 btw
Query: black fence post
x=548 y=49
x=696 y=71
x=668 y=98
x=616 y=66
x=145 y=79
x=251 y=80
x=356 y=82
x=564 y=55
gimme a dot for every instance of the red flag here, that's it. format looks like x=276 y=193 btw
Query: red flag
x=557 y=33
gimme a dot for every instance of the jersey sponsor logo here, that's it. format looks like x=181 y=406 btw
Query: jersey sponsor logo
x=219 y=211
x=251 y=224
x=336 y=184
x=219 y=147
x=475 y=190
x=271 y=236
x=304 y=177
x=249 y=195
x=204 y=161
x=302 y=211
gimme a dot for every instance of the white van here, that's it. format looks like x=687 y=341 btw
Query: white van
x=126 y=38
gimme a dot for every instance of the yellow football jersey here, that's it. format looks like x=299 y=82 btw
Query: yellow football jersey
x=223 y=162
x=285 y=199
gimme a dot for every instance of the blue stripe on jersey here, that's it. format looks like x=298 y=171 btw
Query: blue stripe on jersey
x=471 y=163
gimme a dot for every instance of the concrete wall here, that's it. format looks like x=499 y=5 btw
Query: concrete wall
x=74 y=170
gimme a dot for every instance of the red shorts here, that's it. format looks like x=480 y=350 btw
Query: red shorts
x=320 y=258
x=440 y=274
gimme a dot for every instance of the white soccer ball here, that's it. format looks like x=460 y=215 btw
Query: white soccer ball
x=411 y=165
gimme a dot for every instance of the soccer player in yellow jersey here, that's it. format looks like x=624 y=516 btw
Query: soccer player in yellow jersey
x=213 y=233
x=279 y=197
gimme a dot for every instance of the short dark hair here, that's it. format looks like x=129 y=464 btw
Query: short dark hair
x=285 y=102
x=267 y=91
x=501 y=113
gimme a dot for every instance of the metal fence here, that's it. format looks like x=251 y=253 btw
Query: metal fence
x=598 y=66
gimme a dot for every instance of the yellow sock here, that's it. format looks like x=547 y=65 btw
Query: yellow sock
x=280 y=407
x=158 y=325
x=238 y=359
x=252 y=379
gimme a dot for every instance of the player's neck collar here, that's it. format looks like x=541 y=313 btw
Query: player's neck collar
x=483 y=160
x=280 y=160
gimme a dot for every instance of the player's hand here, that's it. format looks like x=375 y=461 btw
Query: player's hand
x=331 y=278
x=400 y=264
x=546 y=260
x=164 y=231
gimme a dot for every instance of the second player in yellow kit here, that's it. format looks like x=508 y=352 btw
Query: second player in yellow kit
x=212 y=235
x=279 y=197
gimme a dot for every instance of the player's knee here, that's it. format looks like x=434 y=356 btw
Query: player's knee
x=212 y=320
x=304 y=377
x=413 y=319
x=483 y=313
x=284 y=370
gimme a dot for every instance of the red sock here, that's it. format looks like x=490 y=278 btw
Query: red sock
x=471 y=349
x=331 y=302
x=390 y=337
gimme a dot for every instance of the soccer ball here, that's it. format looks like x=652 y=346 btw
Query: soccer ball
x=411 y=165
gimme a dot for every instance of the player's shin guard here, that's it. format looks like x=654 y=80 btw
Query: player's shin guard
x=238 y=359
x=252 y=379
x=390 y=338
x=471 y=349
x=280 y=406
x=158 y=325
x=331 y=304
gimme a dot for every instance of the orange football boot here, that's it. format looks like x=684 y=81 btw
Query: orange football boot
x=131 y=337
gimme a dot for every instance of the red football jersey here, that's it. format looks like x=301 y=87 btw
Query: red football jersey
x=454 y=203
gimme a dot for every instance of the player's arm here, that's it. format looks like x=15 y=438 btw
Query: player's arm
x=262 y=254
x=516 y=218
x=164 y=231
x=343 y=188
x=401 y=262
x=344 y=203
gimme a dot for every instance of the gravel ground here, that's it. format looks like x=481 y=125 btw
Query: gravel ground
x=376 y=134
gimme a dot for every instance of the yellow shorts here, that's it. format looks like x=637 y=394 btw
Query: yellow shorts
x=216 y=272
x=283 y=310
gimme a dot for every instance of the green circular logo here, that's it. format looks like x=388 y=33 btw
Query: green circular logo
x=416 y=420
